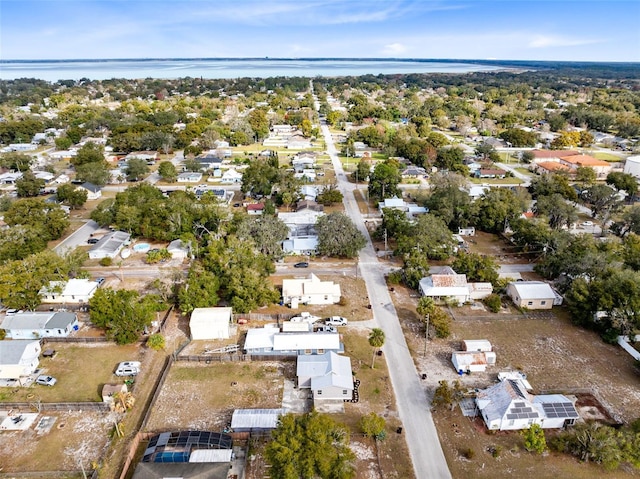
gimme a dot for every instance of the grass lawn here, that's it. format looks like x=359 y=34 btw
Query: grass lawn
x=81 y=370
x=603 y=155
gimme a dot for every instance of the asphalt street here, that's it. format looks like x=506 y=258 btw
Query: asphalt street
x=413 y=405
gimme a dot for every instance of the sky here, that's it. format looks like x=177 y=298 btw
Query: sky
x=574 y=30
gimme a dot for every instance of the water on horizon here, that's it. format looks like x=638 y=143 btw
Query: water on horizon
x=211 y=68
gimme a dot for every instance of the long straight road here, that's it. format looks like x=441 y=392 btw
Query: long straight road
x=413 y=405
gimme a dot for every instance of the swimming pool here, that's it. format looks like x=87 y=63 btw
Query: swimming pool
x=141 y=247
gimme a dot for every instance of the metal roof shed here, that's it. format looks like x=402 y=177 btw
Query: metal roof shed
x=251 y=420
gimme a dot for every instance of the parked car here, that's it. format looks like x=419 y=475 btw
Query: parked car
x=128 y=368
x=587 y=223
x=336 y=321
x=99 y=281
x=326 y=329
x=46 y=380
x=92 y=240
x=301 y=264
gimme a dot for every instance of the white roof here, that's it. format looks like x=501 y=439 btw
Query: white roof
x=533 y=290
x=38 y=320
x=211 y=316
x=256 y=418
x=111 y=242
x=260 y=338
x=301 y=243
x=392 y=203
x=73 y=287
x=476 y=344
x=304 y=341
x=309 y=286
x=210 y=455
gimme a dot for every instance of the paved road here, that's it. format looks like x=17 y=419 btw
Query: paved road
x=78 y=238
x=526 y=179
x=413 y=405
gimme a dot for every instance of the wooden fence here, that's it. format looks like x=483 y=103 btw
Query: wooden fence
x=220 y=358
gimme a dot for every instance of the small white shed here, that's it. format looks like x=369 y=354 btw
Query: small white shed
x=210 y=323
x=472 y=361
x=476 y=345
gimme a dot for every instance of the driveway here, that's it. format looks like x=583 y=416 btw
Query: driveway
x=413 y=405
x=78 y=238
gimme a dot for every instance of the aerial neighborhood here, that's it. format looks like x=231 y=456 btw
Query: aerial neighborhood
x=197 y=276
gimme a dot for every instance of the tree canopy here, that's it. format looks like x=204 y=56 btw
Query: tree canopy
x=311 y=446
x=339 y=236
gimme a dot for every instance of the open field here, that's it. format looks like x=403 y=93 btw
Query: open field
x=81 y=370
x=555 y=355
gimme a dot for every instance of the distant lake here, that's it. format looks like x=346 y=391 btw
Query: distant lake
x=218 y=68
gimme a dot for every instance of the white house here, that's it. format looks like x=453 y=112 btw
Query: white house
x=301 y=223
x=39 y=324
x=231 y=176
x=411 y=209
x=93 y=192
x=448 y=285
x=300 y=245
x=508 y=405
x=210 y=323
x=189 y=177
x=472 y=361
x=309 y=290
x=19 y=359
x=533 y=295
x=178 y=249
x=74 y=291
x=255 y=209
x=298 y=142
x=328 y=375
x=110 y=245
x=270 y=341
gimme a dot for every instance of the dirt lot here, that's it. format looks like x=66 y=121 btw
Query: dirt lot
x=555 y=355
x=75 y=436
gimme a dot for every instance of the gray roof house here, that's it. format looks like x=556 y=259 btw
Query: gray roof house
x=533 y=295
x=37 y=324
x=109 y=245
x=509 y=406
x=93 y=191
x=270 y=341
x=18 y=359
x=328 y=375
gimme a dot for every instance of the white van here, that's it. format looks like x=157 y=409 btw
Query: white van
x=128 y=368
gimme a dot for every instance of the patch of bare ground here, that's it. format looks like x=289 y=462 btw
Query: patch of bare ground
x=77 y=437
x=556 y=356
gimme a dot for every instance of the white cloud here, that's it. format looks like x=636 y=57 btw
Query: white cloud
x=546 y=41
x=394 y=49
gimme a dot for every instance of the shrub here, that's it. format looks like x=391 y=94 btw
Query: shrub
x=395 y=277
x=469 y=453
x=493 y=302
x=106 y=261
x=156 y=341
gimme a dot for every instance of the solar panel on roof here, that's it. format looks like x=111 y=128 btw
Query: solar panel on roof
x=532 y=415
x=512 y=416
x=518 y=404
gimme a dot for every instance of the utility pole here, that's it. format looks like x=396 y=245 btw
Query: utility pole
x=385 y=243
x=426 y=336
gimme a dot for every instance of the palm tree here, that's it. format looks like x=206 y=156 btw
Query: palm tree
x=376 y=340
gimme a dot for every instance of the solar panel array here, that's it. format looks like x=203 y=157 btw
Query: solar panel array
x=521 y=411
x=559 y=410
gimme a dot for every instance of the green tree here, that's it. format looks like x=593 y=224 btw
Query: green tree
x=310 y=446
x=123 y=314
x=602 y=200
x=519 y=138
x=373 y=425
x=95 y=172
x=29 y=186
x=70 y=195
x=199 y=291
x=267 y=232
x=623 y=181
x=63 y=143
x=555 y=207
x=50 y=219
x=154 y=257
x=89 y=153
x=443 y=395
x=376 y=341
x=15 y=160
x=167 y=171
x=586 y=176
x=497 y=207
x=384 y=180
x=339 y=236
x=330 y=195
x=395 y=224
x=21 y=280
x=136 y=168
x=493 y=302
x=534 y=440
x=156 y=342
x=631 y=251
x=20 y=241
x=477 y=267
x=363 y=169
x=429 y=236
x=259 y=123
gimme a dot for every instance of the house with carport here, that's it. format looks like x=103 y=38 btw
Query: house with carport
x=269 y=340
x=110 y=245
x=18 y=359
